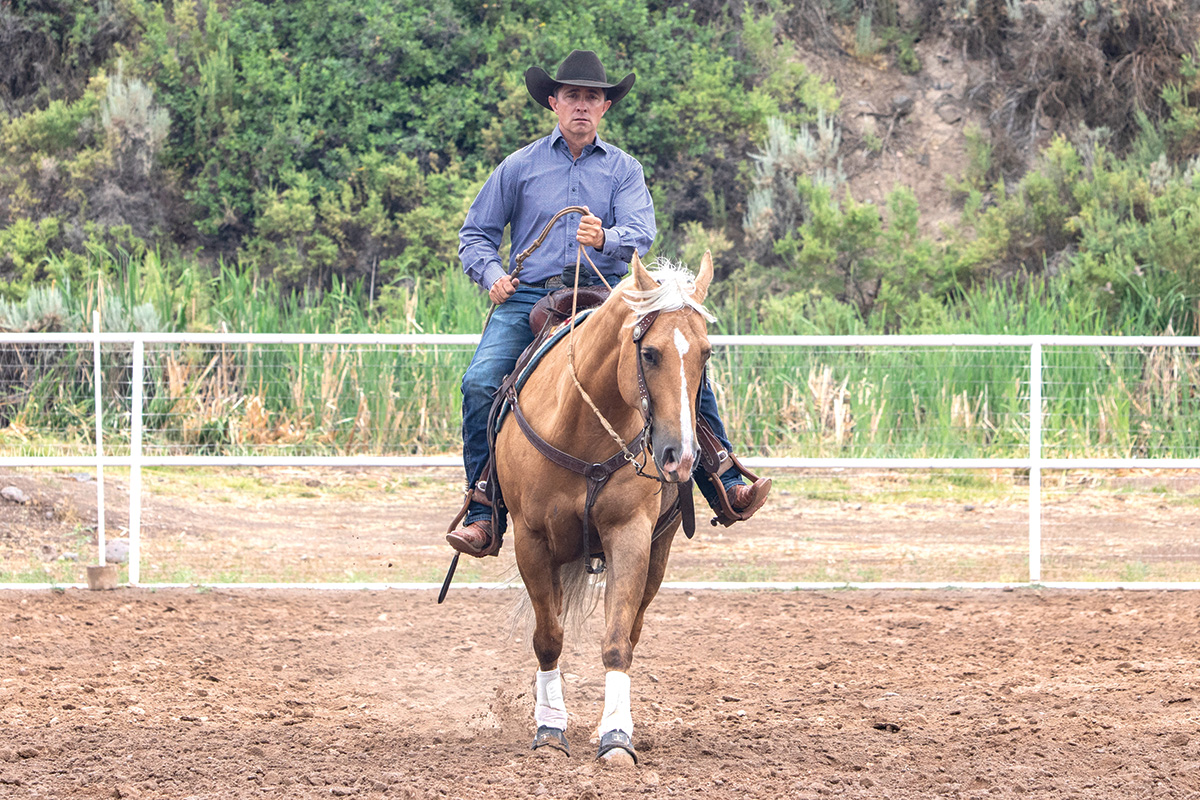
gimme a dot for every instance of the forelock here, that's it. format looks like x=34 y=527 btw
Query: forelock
x=676 y=289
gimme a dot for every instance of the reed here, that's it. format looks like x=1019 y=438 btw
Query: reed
x=370 y=398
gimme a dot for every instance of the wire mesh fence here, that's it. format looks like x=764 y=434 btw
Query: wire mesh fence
x=345 y=398
x=961 y=405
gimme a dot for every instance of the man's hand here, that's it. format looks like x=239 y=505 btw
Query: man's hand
x=590 y=232
x=503 y=289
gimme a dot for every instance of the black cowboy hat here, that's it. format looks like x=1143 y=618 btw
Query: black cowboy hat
x=581 y=68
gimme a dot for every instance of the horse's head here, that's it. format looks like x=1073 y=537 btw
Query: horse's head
x=662 y=365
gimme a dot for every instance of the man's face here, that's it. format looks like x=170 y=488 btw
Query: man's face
x=579 y=110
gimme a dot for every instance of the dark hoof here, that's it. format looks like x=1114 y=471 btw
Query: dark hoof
x=555 y=737
x=617 y=740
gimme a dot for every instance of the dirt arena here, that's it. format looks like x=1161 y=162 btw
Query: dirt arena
x=183 y=693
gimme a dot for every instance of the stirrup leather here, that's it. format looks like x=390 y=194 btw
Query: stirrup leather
x=716 y=461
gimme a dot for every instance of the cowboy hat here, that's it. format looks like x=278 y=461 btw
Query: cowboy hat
x=581 y=68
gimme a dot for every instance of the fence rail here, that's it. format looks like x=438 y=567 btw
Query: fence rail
x=849 y=402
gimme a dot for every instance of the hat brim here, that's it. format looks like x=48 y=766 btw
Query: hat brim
x=541 y=86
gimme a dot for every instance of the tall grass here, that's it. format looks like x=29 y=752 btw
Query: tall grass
x=927 y=402
x=820 y=401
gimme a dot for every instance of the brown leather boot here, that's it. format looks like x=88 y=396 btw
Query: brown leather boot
x=475 y=539
x=748 y=499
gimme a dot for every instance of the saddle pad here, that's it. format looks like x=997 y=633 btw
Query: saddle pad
x=554 y=338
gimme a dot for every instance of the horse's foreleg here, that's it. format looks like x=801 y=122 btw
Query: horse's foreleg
x=544 y=586
x=628 y=563
x=659 y=551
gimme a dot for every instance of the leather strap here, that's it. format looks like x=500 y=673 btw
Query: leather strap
x=687 y=509
x=640 y=329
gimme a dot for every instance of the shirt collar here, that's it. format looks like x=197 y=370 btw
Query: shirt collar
x=557 y=136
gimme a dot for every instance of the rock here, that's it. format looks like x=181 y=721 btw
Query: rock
x=949 y=112
x=116 y=551
x=48 y=552
x=902 y=105
x=127 y=790
x=14 y=495
x=8 y=754
x=28 y=752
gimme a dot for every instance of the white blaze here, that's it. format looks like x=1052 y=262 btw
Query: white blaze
x=618 y=715
x=685 y=422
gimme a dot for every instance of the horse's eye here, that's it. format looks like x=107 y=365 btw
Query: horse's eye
x=650 y=356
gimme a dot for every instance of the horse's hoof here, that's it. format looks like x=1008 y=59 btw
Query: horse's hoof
x=615 y=746
x=554 y=737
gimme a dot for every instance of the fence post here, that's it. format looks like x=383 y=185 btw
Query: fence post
x=1035 y=463
x=99 y=440
x=135 y=464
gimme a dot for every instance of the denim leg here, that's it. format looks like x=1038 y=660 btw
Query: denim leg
x=708 y=409
x=504 y=339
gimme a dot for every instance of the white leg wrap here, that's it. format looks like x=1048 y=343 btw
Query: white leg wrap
x=617 y=713
x=550 y=709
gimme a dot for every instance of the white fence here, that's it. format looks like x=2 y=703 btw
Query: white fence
x=1018 y=432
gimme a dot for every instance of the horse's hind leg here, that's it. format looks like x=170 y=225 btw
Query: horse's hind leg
x=544 y=586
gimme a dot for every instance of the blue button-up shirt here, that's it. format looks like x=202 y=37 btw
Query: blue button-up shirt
x=541 y=179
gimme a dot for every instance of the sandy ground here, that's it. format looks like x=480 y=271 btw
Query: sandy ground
x=387 y=526
x=194 y=692
x=225 y=694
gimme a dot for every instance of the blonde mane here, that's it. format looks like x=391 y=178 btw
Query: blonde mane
x=676 y=285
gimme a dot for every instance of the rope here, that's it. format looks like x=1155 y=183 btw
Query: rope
x=630 y=457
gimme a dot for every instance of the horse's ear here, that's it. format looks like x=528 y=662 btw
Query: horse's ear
x=641 y=277
x=704 y=278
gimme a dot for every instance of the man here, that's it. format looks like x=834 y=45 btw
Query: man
x=570 y=167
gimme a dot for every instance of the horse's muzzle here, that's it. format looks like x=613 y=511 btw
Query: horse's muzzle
x=674 y=467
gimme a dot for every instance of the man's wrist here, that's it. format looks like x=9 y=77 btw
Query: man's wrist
x=611 y=242
x=491 y=274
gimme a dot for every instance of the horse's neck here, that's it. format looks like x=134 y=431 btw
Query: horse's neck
x=597 y=352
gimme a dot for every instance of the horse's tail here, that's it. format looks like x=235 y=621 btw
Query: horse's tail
x=581 y=595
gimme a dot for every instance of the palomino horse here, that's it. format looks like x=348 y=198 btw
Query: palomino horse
x=639 y=361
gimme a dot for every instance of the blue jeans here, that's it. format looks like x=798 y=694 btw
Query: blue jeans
x=504 y=339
